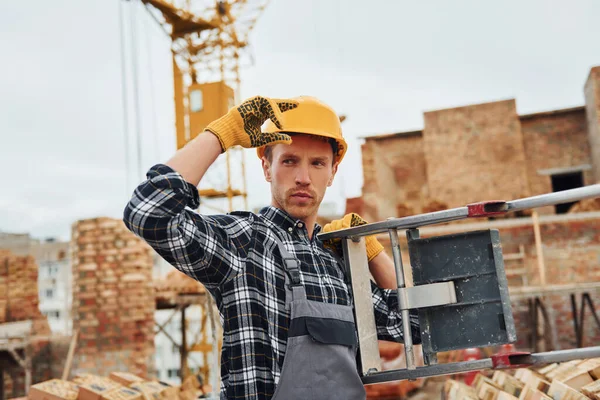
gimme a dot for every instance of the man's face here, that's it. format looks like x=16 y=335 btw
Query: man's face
x=299 y=175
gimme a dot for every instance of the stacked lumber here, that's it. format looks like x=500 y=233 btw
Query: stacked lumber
x=393 y=357
x=116 y=386
x=113 y=297
x=572 y=380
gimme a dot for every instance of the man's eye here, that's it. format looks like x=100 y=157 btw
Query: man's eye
x=319 y=163
x=288 y=161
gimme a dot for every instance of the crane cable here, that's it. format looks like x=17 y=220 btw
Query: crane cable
x=124 y=98
x=136 y=90
x=149 y=63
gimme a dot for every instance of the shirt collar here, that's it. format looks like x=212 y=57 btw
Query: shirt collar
x=284 y=220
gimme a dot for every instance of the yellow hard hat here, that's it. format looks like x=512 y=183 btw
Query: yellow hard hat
x=311 y=117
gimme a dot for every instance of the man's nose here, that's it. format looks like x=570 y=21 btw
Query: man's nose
x=302 y=176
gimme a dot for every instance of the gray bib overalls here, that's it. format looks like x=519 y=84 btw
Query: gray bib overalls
x=320 y=358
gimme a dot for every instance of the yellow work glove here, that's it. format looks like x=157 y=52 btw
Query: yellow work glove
x=242 y=124
x=350 y=220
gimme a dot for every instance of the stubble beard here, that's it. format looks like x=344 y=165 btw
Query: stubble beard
x=284 y=201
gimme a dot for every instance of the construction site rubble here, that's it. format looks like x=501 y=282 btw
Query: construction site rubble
x=571 y=380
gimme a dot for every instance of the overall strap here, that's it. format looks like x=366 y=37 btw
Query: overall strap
x=293 y=288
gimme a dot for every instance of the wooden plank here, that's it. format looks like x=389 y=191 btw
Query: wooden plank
x=538 y=248
x=513 y=386
x=70 y=354
x=488 y=391
x=592 y=366
x=201 y=347
x=547 y=369
x=592 y=390
x=562 y=369
x=574 y=377
x=532 y=379
x=481 y=379
x=560 y=391
x=508 y=383
x=505 y=396
x=530 y=393
x=16 y=330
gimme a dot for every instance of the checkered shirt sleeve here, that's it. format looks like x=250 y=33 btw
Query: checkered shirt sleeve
x=209 y=249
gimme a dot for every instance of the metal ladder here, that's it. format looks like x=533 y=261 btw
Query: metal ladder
x=474 y=257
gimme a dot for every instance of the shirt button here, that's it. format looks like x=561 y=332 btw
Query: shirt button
x=300 y=224
x=290 y=229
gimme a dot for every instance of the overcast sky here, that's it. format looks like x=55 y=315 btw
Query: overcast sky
x=381 y=63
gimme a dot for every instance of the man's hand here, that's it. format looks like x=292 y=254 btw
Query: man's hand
x=350 y=220
x=242 y=124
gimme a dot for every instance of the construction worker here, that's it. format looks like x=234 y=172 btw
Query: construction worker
x=283 y=297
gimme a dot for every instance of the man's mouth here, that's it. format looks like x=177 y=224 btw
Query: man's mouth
x=302 y=195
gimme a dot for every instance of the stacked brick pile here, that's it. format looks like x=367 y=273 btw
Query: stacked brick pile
x=113 y=298
x=117 y=386
x=19 y=291
x=19 y=302
x=572 y=380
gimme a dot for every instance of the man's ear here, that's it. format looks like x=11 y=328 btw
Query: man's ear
x=266 y=165
x=333 y=172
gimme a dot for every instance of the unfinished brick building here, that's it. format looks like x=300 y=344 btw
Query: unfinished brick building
x=489 y=152
x=482 y=152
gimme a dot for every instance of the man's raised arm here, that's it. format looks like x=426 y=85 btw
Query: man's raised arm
x=193 y=160
x=208 y=248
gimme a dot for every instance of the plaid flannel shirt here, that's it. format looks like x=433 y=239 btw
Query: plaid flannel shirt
x=236 y=257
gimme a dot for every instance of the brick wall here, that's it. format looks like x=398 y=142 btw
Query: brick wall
x=467 y=150
x=379 y=177
x=395 y=176
x=556 y=139
x=113 y=299
x=592 y=108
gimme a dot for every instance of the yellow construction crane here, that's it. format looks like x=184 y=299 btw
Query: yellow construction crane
x=208 y=38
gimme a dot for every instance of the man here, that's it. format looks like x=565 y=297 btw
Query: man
x=283 y=298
